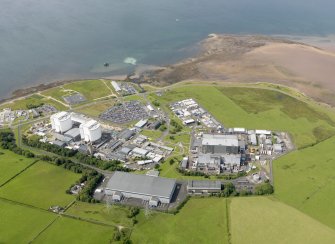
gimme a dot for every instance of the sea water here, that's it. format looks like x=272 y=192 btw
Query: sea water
x=47 y=40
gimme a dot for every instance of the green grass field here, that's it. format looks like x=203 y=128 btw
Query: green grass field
x=20 y=224
x=305 y=179
x=66 y=230
x=114 y=215
x=266 y=220
x=152 y=134
x=11 y=164
x=42 y=185
x=33 y=99
x=96 y=109
x=91 y=89
x=200 y=221
x=260 y=109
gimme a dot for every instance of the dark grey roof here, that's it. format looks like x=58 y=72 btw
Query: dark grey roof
x=142 y=184
x=204 y=184
x=126 y=134
x=59 y=143
x=73 y=133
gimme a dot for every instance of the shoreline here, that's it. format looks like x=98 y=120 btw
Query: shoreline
x=326 y=43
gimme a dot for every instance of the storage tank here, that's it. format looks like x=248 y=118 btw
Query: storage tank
x=90 y=131
x=61 y=122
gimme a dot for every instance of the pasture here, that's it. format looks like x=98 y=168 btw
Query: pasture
x=12 y=164
x=114 y=215
x=20 y=224
x=199 y=221
x=305 y=179
x=267 y=220
x=42 y=185
x=67 y=230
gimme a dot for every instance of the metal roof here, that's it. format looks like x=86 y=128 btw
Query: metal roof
x=74 y=132
x=204 y=184
x=142 y=184
x=220 y=140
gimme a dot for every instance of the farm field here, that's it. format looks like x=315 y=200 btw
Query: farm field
x=67 y=230
x=114 y=215
x=306 y=125
x=42 y=185
x=12 y=164
x=199 y=221
x=266 y=220
x=305 y=179
x=20 y=224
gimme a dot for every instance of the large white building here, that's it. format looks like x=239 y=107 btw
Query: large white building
x=90 y=131
x=61 y=122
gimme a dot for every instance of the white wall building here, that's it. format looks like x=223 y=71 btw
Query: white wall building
x=61 y=122
x=90 y=131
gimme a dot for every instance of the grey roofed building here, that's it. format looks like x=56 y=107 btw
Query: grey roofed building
x=59 y=143
x=141 y=186
x=126 y=134
x=125 y=150
x=277 y=148
x=140 y=151
x=203 y=186
x=222 y=140
x=155 y=125
x=232 y=159
x=73 y=133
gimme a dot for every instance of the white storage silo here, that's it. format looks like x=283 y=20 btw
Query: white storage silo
x=61 y=122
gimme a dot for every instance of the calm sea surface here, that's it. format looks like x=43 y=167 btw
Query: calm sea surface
x=46 y=40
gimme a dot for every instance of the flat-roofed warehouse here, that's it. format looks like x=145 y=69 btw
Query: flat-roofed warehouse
x=140 y=186
x=220 y=144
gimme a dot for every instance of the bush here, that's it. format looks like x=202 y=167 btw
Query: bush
x=264 y=189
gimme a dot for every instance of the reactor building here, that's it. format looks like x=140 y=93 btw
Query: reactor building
x=61 y=122
x=90 y=131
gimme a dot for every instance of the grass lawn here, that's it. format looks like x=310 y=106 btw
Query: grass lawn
x=305 y=179
x=42 y=185
x=96 y=109
x=91 y=89
x=266 y=220
x=11 y=164
x=33 y=99
x=66 y=230
x=20 y=224
x=116 y=215
x=200 y=221
x=152 y=134
x=257 y=109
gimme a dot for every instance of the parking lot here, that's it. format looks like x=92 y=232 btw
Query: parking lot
x=125 y=112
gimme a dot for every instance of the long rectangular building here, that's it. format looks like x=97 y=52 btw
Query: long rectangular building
x=214 y=143
x=140 y=186
x=203 y=186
